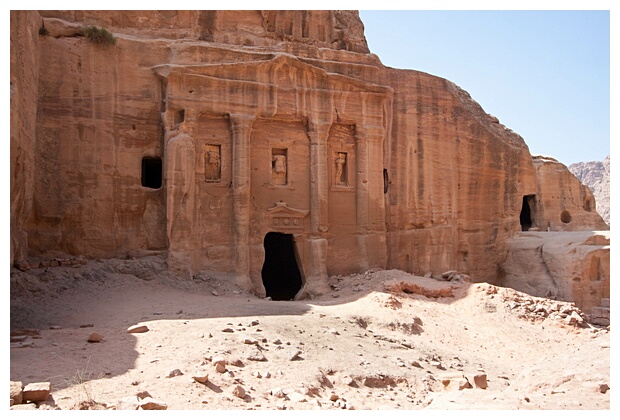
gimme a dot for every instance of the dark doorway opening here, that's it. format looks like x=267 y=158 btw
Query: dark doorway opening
x=280 y=273
x=527 y=212
x=386 y=181
x=151 y=172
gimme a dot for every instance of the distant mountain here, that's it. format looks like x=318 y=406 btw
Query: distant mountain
x=595 y=175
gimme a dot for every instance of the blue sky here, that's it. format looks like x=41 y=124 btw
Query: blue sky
x=544 y=74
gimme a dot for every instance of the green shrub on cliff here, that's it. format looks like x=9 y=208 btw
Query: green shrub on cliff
x=99 y=35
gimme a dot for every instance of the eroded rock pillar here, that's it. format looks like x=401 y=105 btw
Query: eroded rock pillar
x=179 y=177
x=241 y=128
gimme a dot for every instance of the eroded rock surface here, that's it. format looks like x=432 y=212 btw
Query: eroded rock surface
x=596 y=176
x=568 y=266
x=220 y=139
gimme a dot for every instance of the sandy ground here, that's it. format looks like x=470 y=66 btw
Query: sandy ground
x=359 y=347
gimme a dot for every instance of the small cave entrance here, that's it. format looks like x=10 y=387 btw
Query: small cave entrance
x=280 y=273
x=528 y=210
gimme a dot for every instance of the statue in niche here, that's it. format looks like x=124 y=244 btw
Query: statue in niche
x=278 y=169
x=213 y=163
x=340 y=164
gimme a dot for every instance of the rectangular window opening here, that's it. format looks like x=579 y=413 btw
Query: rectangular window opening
x=151 y=172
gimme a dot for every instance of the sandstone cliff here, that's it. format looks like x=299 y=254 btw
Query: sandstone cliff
x=566 y=204
x=197 y=134
x=596 y=176
x=24 y=98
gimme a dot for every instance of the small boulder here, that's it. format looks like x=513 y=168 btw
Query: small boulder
x=152 y=404
x=95 y=337
x=22 y=265
x=16 y=392
x=603 y=388
x=479 y=380
x=175 y=372
x=574 y=319
x=37 y=391
x=257 y=356
x=447 y=275
x=463 y=383
x=134 y=329
x=31 y=406
x=237 y=362
x=201 y=378
x=219 y=363
x=278 y=393
x=238 y=391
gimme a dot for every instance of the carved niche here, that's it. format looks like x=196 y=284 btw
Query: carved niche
x=279 y=166
x=341 y=157
x=341 y=169
x=213 y=162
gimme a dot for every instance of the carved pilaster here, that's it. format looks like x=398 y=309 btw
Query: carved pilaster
x=318 y=133
x=241 y=129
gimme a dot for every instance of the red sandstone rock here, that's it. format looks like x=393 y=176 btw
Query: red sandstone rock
x=95 y=337
x=136 y=329
x=37 y=391
x=16 y=392
x=342 y=155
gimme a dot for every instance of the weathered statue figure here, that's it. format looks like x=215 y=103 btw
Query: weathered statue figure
x=212 y=167
x=278 y=163
x=341 y=176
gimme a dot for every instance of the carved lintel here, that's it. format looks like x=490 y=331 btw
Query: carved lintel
x=283 y=218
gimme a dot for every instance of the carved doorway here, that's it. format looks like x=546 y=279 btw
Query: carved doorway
x=528 y=211
x=280 y=272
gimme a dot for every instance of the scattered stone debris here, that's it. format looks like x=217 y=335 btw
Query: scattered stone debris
x=537 y=309
x=140 y=401
x=26 y=265
x=424 y=286
x=378 y=381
